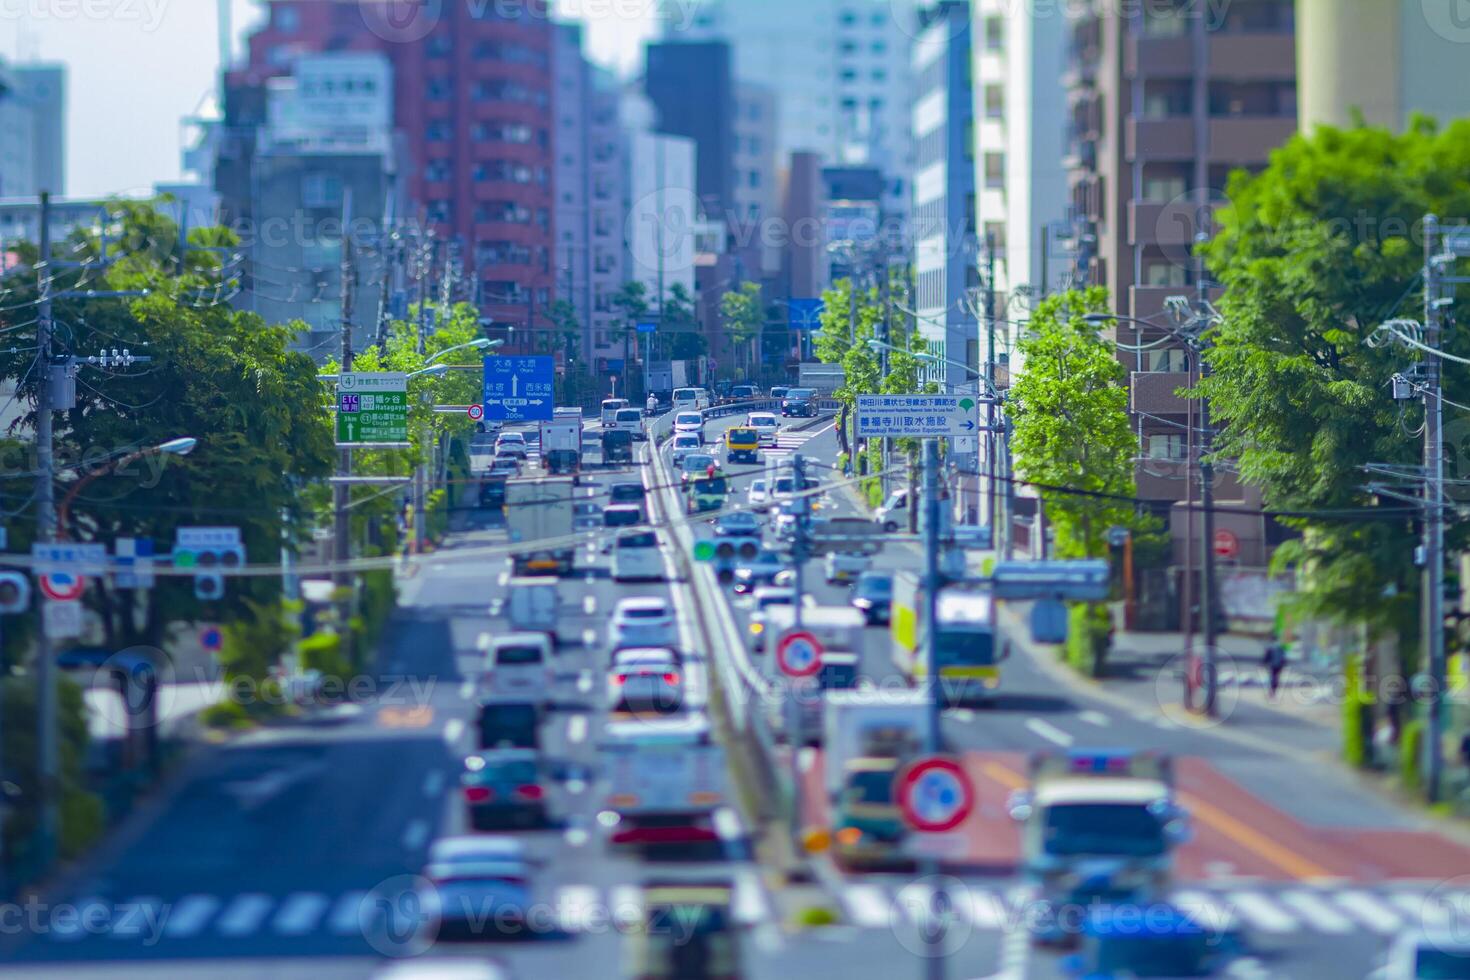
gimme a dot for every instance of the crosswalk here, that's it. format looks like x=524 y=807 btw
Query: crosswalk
x=789 y=441
x=1337 y=910
x=356 y=914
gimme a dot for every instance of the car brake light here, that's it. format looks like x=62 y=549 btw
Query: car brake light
x=671 y=678
x=478 y=794
x=530 y=791
x=620 y=679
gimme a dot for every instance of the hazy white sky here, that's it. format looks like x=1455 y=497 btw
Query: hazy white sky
x=138 y=66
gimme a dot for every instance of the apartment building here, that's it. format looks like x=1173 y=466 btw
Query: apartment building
x=32 y=129
x=1165 y=101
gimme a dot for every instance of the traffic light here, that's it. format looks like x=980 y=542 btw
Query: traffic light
x=209 y=586
x=15 y=592
x=208 y=562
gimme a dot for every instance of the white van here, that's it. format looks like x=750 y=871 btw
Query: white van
x=610 y=408
x=520 y=663
x=691 y=398
x=629 y=420
x=637 y=557
x=534 y=604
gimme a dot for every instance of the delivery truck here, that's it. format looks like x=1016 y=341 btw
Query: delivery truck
x=968 y=648
x=664 y=779
x=871 y=722
x=561 y=445
x=541 y=521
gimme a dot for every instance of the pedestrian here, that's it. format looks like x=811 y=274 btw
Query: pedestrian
x=652 y=404
x=1275 y=660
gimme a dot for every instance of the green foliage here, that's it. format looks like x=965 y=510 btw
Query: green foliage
x=80 y=811
x=1411 y=749
x=815 y=916
x=1357 y=738
x=1088 y=637
x=323 y=652
x=256 y=641
x=1070 y=412
x=743 y=315
x=1316 y=251
x=228 y=716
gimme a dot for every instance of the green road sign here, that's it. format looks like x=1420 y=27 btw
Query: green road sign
x=372 y=408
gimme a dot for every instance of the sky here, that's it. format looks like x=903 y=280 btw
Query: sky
x=137 y=67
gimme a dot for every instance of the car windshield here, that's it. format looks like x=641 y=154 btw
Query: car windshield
x=507 y=718
x=711 y=485
x=618 y=517
x=758 y=486
x=646 y=540
x=1158 y=956
x=644 y=612
x=613 y=403
x=689 y=418
x=739 y=519
x=965 y=648
x=698 y=461
x=875 y=586
x=776 y=599
x=510 y=437
x=870 y=787
x=1103 y=828
x=742 y=435
x=785 y=485
x=686 y=441
x=518 y=654
x=801 y=393
x=510 y=770
x=684 y=395
x=651 y=658
x=837 y=677
x=623 y=493
x=1441 y=964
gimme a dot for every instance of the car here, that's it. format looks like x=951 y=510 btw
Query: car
x=744 y=392
x=642 y=621
x=626 y=493
x=893 y=513
x=760 y=570
x=696 y=399
x=766 y=425
x=444 y=968
x=682 y=444
x=1115 y=941
x=645 y=679
x=695 y=464
x=622 y=515
x=520 y=663
x=779 y=392
x=1440 y=952
x=637 y=557
x=873 y=597
x=492 y=491
x=630 y=420
x=688 y=930
x=511 y=444
x=690 y=422
x=506 y=462
x=784 y=526
x=799 y=403
x=466 y=875
x=738 y=524
x=742 y=444
x=509 y=724
x=765 y=597
x=757 y=496
x=868 y=830
x=610 y=409
x=839 y=567
x=617 y=447
x=503 y=787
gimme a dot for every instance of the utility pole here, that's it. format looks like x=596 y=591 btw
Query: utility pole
x=341 y=492
x=1206 y=484
x=852 y=325
x=1437 y=294
x=991 y=442
x=799 y=536
x=934 y=936
x=46 y=714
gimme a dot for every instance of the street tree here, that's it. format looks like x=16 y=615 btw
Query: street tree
x=743 y=315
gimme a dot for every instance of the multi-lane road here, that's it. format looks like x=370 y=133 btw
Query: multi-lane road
x=293 y=850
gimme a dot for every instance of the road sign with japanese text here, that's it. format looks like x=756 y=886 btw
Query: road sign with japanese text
x=519 y=389
x=900 y=416
x=372 y=407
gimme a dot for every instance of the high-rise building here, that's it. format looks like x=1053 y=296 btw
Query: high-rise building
x=1383 y=59
x=757 y=112
x=1166 y=100
x=693 y=94
x=841 y=68
x=944 y=195
x=32 y=129
x=473 y=101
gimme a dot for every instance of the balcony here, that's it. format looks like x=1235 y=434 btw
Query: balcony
x=1166 y=223
x=1248 y=139
x=1153 y=392
x=1253 y=57
x=1159 y=57
x=1160 y=139
x=1081 y=154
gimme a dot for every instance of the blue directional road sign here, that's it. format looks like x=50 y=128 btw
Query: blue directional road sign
x=648 y=327
x=519 y=389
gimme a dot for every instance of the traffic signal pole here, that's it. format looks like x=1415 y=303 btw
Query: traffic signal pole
x=48 y=728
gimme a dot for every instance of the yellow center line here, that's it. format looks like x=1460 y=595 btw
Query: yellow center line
x=1211 y=816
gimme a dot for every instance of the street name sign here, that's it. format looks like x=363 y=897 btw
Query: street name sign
x=1080 y=581
x=519 y=389
x=372 y=407
x=917 y=416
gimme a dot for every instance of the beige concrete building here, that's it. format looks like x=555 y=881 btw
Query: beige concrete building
x=1385 y=59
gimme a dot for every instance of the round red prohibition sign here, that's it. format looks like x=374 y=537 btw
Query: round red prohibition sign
x=62 y=586
x=799 y=654
x=935 y=795
x=476 y=412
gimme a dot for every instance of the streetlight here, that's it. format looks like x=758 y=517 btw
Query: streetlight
x=433 y=371
x=878 y=345
x=182 y=446
x=479 y=343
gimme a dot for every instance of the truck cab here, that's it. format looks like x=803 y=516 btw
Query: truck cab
x=1098 y=827
x=688 y=931
x=664 y=781
x=706 y=493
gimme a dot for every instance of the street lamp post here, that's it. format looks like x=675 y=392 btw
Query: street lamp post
x=182 y=446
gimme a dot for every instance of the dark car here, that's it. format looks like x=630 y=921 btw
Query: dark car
x=617 y=447
x=492 y=493
x=503 y=787
x=873 y=596
x=743 y=392
x=509 y=725
x=626 y=493
x=799 y=403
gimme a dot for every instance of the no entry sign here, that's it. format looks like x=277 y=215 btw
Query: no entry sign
x=799 y=654
x=935 y=795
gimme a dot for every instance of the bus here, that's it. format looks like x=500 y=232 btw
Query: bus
x=969 y=653
x=706 y=493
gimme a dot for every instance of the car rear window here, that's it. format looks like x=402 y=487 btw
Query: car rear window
x=742 y=435
x=629 y=415
x=626 y=493
x=513 y=655
x=689 y=418
x=647 y=540
x=512 y=770
x=645 y=612
x=617 y=517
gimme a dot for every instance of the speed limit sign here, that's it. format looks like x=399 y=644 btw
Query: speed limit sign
x=476 y=412
x=935 y=794
x=799 y=654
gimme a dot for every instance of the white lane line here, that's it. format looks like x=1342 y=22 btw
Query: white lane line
x=589 y=605
x=1424 y=911
x=584 y=681
x=1262 y=913
x=1048 y=731
x=867 y=906
x=300 y=913
x=189 y=915
x=453 y=729
x=415 y=834
x=434 y=783
x=1371 y=911
x=346 y=918
x=1094 y=718
x=750 y=905
x=575 y=906
x=482 y=643
x=962 y=715
x=576 y=728
x=244 y=914
x=981 y=907
x=1318 y=914
x=503 y=579
x=1204 y=909
x=626 y=903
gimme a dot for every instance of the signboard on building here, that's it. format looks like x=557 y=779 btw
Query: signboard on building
x=372 y=407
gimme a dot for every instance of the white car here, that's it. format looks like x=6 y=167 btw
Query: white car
x=629 y=420
x=690 y=423
x=757 y=496
x=637 y=557
x=520 y=663
x=844 y=568
x=645 y=678
x=642 y=621
x=766 y=596
x=682 y=445
x=766 y=426
x=695 y=398
x=610 y=407
x=511 y=444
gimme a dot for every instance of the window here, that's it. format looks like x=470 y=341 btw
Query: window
x=437 y=90
x=1173 y=360
x=880 y=47
x=438 y=129
x=1172 y=446
x=1162 y=21
x=1162 y=272
x=848 y=75
x=755 y=178
x=995 y=102
x=995 y=32
x=437 y=170
x=1162 y=99
x=440 y=45
x=995 y=170
x=879 y=75
x=1165 y=181
x=320 y=190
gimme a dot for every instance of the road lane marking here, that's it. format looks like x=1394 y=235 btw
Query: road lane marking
x=589 y=605
x=867 y=905
x=1252 y=840
x=503 y=579
x=589 y=638
x=749 y=904
x=575 y=906
x=244 y=914
x=1001 y=774
x=434 y=783
x=1094 y=718
x=1371 y=911
x=300 y=913
x=189 y=915
x=576 y=728
x=1310 y=906
x=1263 y=913
x=1049 y=732
x=415 y=834
x=131 y=919
x=1207 y=911
x=625 y=902
x=346 y=918
x=482 y=643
